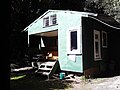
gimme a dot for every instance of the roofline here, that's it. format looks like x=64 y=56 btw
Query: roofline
x=85 y=14
x=36 y=20
x=74 y=12
x=104 y=23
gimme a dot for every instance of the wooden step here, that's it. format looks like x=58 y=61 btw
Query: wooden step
x=43 y=73
x=47 y=68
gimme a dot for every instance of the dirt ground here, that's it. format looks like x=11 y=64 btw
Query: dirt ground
x=110 y=83
x=70 y=82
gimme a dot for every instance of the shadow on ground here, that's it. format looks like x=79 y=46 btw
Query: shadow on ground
x=33 y=82
x=107 y=74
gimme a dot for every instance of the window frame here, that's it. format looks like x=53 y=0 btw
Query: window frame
x=79 y=42
x=96 y=32
x=52 y=17
x=45 y=21
x=73 y=39
x=50 y=20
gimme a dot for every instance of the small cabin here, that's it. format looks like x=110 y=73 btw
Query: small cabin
x=82 y=42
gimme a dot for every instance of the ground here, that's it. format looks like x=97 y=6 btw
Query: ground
x=109 y=83
x=27 y=80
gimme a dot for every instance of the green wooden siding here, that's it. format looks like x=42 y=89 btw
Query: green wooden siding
x=38 y=27
x=67 y=21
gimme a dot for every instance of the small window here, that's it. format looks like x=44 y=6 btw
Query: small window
x=46 y=22
x=104 y=39
x=73 y=38
x=53 y=19
x=74 y=41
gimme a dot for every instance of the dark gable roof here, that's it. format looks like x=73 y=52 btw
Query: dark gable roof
x=108 y=20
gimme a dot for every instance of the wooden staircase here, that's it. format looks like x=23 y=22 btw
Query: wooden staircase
x=48 y=68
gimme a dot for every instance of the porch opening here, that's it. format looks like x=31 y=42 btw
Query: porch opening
x=44 y=45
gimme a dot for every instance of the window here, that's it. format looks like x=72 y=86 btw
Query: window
x=53 y=19
x=104 y=39
x=97 y=48
x=50 y=20
x=46 y=22
x=73 y=38
x=74 y=41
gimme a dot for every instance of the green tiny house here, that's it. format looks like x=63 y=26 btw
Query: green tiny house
x=82 y=42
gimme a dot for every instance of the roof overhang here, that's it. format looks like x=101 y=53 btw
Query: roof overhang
x=84 y=14
x=48 y=34
x=106 y=20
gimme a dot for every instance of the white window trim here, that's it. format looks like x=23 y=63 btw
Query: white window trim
x=44 y=21
x=99 y=48
x=50 y=20
x=103 y=39
x=79 y=40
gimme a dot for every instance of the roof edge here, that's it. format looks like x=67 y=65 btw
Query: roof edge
x=85 y=14
x=104 y=23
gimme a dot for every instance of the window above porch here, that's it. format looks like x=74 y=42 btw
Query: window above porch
x=50 y=20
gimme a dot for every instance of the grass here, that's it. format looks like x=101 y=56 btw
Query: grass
x=29 y=81
x=17 y=77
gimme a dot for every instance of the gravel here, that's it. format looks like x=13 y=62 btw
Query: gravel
x=110 y=83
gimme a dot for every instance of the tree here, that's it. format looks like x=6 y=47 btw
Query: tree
x=109 y=7
x=112 y=8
